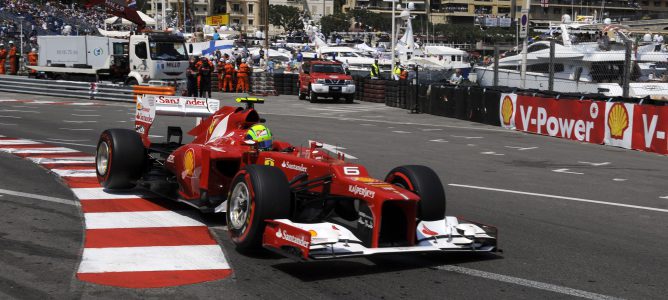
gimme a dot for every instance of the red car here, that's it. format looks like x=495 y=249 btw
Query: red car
x=298 y=201
x=323 y=78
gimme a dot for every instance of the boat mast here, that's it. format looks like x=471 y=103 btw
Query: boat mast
x=523 y=74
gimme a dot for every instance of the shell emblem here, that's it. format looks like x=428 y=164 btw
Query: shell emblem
x=214 y=122
x=507 y=110
x=139 y=107
x=189 y=162
x=618 y=120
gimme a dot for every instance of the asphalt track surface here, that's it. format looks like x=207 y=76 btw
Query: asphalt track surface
x=575 y=219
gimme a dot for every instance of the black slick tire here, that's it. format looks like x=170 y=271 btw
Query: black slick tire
x=269 y=198
x=424 y=182
x=120 y=158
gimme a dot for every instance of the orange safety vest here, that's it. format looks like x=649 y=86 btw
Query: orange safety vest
x=243 y=69
x=32 y=58
x=229 y=69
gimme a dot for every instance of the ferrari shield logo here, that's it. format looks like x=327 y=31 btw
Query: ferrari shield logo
x=269 y=162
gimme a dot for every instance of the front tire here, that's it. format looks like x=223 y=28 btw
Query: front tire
x=257 y=193
x=424 y=182
x=313 y=97
x=120 y=158
x=302 y=96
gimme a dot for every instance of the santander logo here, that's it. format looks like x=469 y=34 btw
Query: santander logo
x=291 y=166
x=284 y=235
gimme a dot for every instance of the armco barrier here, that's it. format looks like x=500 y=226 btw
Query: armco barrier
x=70 y=89
x=153 y=90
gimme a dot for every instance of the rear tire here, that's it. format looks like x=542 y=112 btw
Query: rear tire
x=120 y=158
x=257 y=193
x=424 y=182
x=302 y=96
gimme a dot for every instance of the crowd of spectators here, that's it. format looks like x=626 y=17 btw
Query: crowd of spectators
x=46 y=18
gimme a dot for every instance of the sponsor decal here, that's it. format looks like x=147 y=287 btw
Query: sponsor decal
x=288 y=165
x=507 y=110
x=170 y=158
x=618 y=121
x=140 y=129
x=365 y=220
x=214 y=122
x=164 y=100
x=361 y=191
x=313 y=233
x=299 y=240
x=139 y=105
x=269 y=162
x=195 y=102
x=189 y=162
x=427 y=231
x=97 y=51
x=576 y=120
x=173 y=64
x=364 y=179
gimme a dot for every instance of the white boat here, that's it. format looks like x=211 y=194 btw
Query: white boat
x=585 y=68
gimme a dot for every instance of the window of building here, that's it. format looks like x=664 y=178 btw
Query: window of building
x=657 y=3
x=250 y=9
x=235 y=21
x=250 y=22
x=504 y=10
x=236 y=7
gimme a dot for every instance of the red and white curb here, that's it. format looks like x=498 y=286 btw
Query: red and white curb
x=131 y=240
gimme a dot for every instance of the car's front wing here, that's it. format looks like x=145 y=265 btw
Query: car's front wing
x=328 y=240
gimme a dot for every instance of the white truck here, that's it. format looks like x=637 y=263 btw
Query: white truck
x=157 y=58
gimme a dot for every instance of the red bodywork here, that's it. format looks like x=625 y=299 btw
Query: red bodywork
x=207 y=166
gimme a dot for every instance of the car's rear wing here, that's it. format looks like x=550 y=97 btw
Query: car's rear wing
x=148 y=106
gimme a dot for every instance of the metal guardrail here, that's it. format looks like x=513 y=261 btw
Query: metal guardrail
x=70 y=89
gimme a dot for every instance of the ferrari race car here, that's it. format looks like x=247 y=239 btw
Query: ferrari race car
x=297 y=201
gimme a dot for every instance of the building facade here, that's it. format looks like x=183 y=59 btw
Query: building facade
x=465 y=11
x=196 y=10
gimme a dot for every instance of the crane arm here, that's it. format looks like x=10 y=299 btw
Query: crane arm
x=120 y=9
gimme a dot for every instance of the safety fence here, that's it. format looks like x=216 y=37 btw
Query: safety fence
x=81 y=90
x=631 y=123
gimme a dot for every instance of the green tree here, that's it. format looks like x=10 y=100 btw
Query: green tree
x=285 y=16
x=375 y=21
x=335 y=22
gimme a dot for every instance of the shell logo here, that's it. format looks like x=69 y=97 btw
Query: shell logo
x=364 y=179
x=189 y=162
x=507 y=110
x=618 y=121
x=139 y=107
x=212 y=126
x=313 y=233
x=269 y=162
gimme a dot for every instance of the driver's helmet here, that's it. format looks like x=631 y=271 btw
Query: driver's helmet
x=261 y=135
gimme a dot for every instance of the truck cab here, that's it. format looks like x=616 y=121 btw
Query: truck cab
x=321 y=78
x=157 y=56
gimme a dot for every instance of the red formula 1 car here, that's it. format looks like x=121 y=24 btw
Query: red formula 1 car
x=298 y=201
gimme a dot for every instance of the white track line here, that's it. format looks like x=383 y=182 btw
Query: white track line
x=138 y=219
x=63 y=160
x=163 y=258
x=18 y=142
x=75 y=173
x=66 y=143
x=39 y=197
x=99 y=193
x=559 y=197
x=76 y=129
x=525 y=282
x=39 y=150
